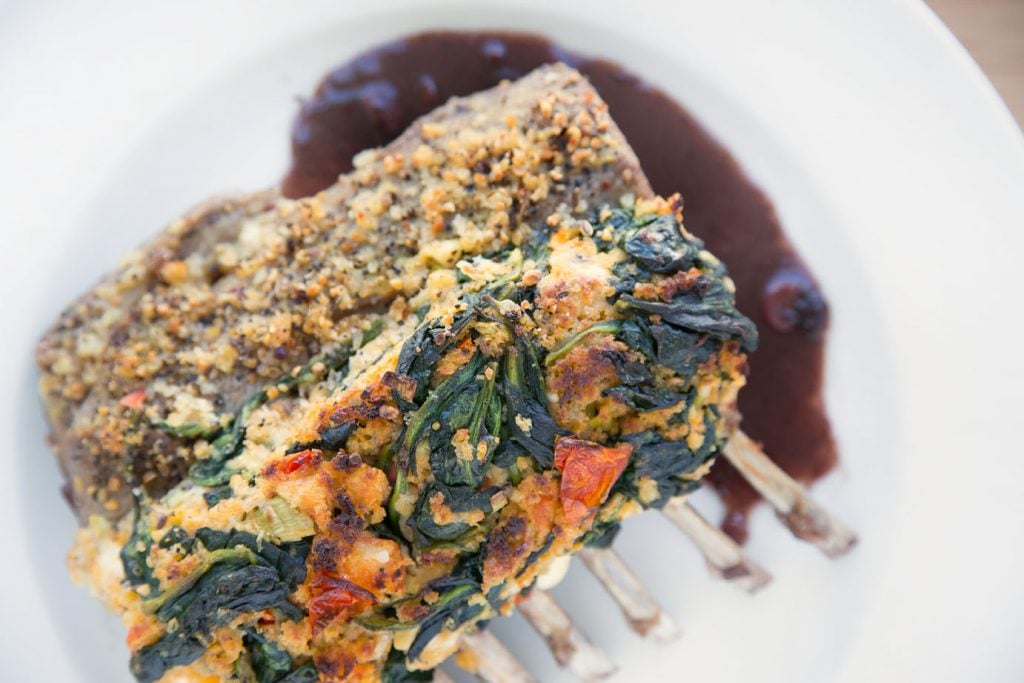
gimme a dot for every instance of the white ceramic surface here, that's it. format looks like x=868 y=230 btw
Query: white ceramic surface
x=892 y=162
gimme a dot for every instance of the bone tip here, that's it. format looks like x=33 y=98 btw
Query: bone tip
x=747 y=575
x=592 y=665
x=839 y=543
x=758 y=580
x=816 y=525
x=659 y=628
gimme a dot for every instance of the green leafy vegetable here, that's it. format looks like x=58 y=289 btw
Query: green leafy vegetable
x=176 y=536
x=304 y=674
x=263 y=660
x=458 y=499
x=712 y=315
x=657 y=244
x=602 y=534
x=535 y=555
x=212 y=470
x=189 y=430
x=385 y=620
x=636 y=335
x=430 y=411
x=231 y=586
x=450 y=611
x=236 y=562
x=289 y=559
x=645 y=398
x=395 y=671
x=662 y=461
x=639 y=389
x=241 y=574
x=606 y=327
x=135 y=553
x=173 y=649
x=333 y=438
x=423 y=351
x=217 y=494
x=528 y=426
x=681 y=351
x=469 y=407
x=384 y=530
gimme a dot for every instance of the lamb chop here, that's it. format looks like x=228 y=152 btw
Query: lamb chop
x=358 y=425
x=243 y=290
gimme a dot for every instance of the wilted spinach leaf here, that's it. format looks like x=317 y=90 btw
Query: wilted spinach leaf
x=535 y=555
x=384 y=530
x=430 y=411
x=682 y=351
x=636 y=335
x=217 y=494
x=189 y=430
x=645 y=398
x=638 y=389
x=263 y=660
x=240 y=575
x=450 y=611
x=424 y=349
x=228 y=588
x=135 y=553
x=395 y=670
x=468 y=407
x=528 y=427
x=457 y=498
x=602 y=534
x=305 y=673
x=331 y=439
x=605 y=327
x=289 y=559
x=468 y=572
x=334 y=438
x=152 y=662
x=715 y=316
x=659 y=247
x=213 y=470
x=176 y=536
x=661 y=461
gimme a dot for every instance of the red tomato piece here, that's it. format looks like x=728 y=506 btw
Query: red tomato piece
x=333 y=598
x=292 y=463
x=588 y=472
x=134 y=399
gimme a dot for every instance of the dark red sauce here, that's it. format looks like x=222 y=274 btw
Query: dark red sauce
x=370 y=100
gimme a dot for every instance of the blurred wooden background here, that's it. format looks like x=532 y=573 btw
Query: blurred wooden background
x=993 y=32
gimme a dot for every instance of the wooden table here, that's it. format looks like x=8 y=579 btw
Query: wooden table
x=993 y=32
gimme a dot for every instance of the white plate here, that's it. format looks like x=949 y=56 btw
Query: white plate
x=892 y=162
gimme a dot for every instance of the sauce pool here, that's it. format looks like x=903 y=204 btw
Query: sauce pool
x=370 y=100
